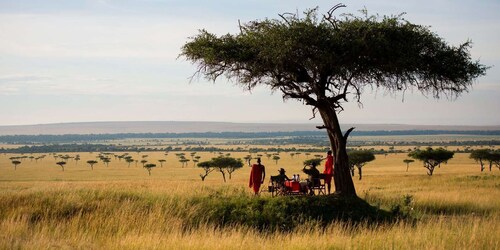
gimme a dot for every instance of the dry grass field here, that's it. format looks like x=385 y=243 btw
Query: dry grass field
x=118 y=206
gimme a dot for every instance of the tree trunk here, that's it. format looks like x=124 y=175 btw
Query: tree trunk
x=223 y=174
x=430 y=167
x=360 y=174
x=342 y=178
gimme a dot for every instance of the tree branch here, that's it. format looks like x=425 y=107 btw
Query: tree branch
x=347 y=133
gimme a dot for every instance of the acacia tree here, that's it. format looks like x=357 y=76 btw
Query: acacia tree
x=207 y=167
x=226 y=164
x=149 y=167
x=15 y=163
x=161 y=162
x=106 y=161
x=91 y=163
x=276 y=158
x=494 y=158
x=61 y=164
x=480 y=155
x=432 y=157
x=129 y=160
x=77 y=158
x=322 y=61
x=408 y=161
x=359 y=158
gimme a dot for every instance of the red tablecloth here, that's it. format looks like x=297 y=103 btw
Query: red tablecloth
x=294 y=186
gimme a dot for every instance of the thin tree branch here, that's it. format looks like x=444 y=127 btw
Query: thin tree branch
x=347 y=133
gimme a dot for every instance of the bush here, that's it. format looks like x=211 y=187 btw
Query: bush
x=284 y=213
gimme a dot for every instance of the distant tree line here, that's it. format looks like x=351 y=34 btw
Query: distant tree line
x=61 y=148
x=277 y=137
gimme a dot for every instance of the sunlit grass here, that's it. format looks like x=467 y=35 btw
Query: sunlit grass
x=122 y=207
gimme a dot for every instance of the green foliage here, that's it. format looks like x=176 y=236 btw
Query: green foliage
x=61 y=164
x=276 y=158
x=359 y=158
x=149 y=167
x=223 y=164
x=284 y=213
x=432 y=157
x=16 y=162
x=313 y=162
x=295 y=53
x=408 y=161
x=486 y=155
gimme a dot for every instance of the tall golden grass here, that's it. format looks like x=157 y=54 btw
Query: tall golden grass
x=118 y=206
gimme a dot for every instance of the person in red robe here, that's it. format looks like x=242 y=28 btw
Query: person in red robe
x=257 y=176
x=328 y=170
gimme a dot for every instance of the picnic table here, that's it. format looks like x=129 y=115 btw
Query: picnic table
x=279 y=187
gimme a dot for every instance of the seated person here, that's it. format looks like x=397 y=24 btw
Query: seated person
x=313 y=174
x=282 y=176
x=279 y=180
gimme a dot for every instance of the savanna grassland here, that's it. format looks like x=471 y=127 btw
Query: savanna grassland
x=119 y=206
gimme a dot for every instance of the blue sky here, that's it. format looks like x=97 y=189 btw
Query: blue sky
x=99 y=60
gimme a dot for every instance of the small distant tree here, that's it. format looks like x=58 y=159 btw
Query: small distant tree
x=233 y=165
x=207 y=167
x=432 y=157
x=15 y=163
x=359 y=158
x=226 y=164
x=269 y=156
x=184 y=161
x=494 y=159
x=149 y=167
x=61 y=163
x=143 y=162
x=106 y=161
x=77 y=158
x=481 y=155
x=247 y=159
x=276 y=159
x=91 y=163
x=313 y=162
x=161 y=162
x=408 y=161
x=129 y=160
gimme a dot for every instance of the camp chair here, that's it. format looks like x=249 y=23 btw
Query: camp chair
x=318 y=184
x=277 y=186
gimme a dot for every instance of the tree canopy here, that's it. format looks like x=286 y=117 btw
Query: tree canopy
x=359 y=158
x=486 y=155
x=310 y=56
x=324 y=60
x=432 y=157
x=222 y=164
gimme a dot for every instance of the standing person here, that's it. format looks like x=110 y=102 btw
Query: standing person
x=257 y=176
x=328 y=170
